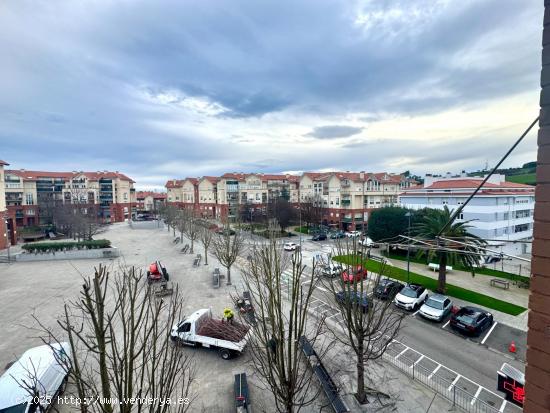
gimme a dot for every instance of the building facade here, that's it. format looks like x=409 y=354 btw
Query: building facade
x=500 y=212
x=150 y=201
x=7 y=225
x=345 y=198
x=112 y=194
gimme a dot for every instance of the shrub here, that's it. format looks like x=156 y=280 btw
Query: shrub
x=66 y=245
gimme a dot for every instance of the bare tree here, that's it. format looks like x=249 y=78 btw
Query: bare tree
x=281 y=210
x=370 y=325
x=227 y=248
x=312 y=210
x=281 y=320
x=170 y=214
x=205 y=235
x=192 y=230
x=118 y=335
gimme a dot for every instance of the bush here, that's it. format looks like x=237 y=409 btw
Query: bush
x=64 y=246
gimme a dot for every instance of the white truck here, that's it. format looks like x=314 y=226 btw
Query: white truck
x=201 y=330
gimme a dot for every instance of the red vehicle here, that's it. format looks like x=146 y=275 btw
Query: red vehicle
x=157 y=272
x=355 y=274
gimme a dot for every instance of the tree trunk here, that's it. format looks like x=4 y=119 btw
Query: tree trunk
x=361 y=394
x=442 y=280
x=191 y=252
x=229 y=275
x=205 y=256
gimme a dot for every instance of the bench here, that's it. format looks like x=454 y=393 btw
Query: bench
x=523 y=284
x=176 y=240
x=185 y=249
x=498 y=282
x=435 y=267
x=328 y=385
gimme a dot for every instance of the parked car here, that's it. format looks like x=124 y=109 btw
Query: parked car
x=353 y=298
x=411 y=297
x=321 y=236
x=366 y=242
x=471 y=320
x=387 y=289
x=354 y=274
x=436 y=307
x=491 y=259
x=353 y=234
x=43 y=369
x=337 y=235
x=226 y=231
x=331 y=269
x=201 y=330
x=291 y=246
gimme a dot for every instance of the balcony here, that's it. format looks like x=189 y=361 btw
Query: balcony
x=346 y=202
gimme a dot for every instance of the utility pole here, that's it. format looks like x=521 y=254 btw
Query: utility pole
x=408 y=215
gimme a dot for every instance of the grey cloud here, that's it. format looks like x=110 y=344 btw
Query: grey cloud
x=334 y=131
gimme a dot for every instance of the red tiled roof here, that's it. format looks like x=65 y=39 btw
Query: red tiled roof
x=93 y=176
x=174 y=183
x=472 y=183
x=212 y=179
x=155 y=195
x=235 y=175
x=490 y=192
x=273 y=177
x=194 y=181
x=33 y=175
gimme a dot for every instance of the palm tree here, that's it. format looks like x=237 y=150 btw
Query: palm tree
x=429 y=228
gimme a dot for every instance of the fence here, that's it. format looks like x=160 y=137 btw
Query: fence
x=448 y=389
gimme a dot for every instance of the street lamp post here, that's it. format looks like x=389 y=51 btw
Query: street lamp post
x=408 y=215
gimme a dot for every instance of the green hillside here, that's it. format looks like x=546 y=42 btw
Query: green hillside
x=529 y=179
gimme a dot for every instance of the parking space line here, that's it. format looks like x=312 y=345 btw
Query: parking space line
x=416 y=362
x=454 y=382
x=502 y=406
x=435 y=371
x=476 y=395
x=489 y=332
x=333 y=315
x=416 y=312
x=446 y=324
x=322 y=289
x=400 y=354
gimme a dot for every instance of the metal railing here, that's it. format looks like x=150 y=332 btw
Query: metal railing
x=446 y=388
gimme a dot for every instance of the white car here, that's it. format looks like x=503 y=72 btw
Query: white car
x=353 y=234
x=411 y=297
x=332 y=270
x=366 y=242
x=291 y=246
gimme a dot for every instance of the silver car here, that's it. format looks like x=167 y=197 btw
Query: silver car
x=436 y=307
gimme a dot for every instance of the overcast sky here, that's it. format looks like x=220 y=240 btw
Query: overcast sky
x=168 y=89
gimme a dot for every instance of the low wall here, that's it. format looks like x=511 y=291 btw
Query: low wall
x=99 y=253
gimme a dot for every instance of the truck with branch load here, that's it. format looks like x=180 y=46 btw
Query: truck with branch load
x=200 y=329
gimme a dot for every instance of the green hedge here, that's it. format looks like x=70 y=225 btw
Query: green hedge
x=431 y=284
x=68 y=245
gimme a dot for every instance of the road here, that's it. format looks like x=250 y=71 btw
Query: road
x=461 y=357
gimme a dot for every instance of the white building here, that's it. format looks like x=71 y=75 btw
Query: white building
x=501 y=211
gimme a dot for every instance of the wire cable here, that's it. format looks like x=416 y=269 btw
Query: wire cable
x=461 y=207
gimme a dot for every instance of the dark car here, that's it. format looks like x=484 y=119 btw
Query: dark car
x=337 y=235
x=386 y=289
x=226 y=232
x=354 y=298
x=319 y=237
x=471 y=320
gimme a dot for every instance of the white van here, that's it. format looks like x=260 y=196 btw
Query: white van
x=44 y=374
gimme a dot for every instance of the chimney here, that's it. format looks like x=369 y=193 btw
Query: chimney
x=362 y=174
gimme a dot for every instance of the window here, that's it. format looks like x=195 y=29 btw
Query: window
x=185 y=328
x=29 y=198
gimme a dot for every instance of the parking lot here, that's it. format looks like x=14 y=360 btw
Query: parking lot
x=414 y=357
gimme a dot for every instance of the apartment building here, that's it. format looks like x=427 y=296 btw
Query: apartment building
x=501 y=211
x=112 y=193
x=345 y=197
x=150 y=201
x=348 y=197
x=7 y=226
